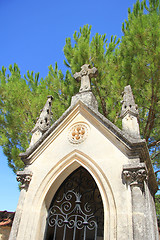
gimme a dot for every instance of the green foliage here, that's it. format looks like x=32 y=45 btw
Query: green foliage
x=21 y=100
x=138 y=64
x=139 y=61
x=157 y=203
x=135 y=61
x=97 y=52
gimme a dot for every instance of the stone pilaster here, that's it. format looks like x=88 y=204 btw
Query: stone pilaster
x=24 y=177
x=135 y=177
x=17 y=217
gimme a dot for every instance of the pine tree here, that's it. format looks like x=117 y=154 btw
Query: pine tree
x=96 y=52
x=21 y=100
x=138 y=64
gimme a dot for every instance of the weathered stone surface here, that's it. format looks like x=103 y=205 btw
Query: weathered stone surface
x=133 y=147
x=18 y=214
x=87 y=98
x=85 y=76
x=135 y=174
x=128 y=103
x=24 y=177
x=143 y=210
x=129 y=114
x=43 y=123
x=118 y=161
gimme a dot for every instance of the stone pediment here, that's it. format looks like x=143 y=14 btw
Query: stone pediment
x=83 y=116
x=113 y=133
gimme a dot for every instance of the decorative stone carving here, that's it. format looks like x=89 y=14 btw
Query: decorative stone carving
x=137 y=176
x=85 y=76
x=24 y=177
x=43 y=122
x=78 y=133
x=128 y=103
x=129 y=114
x=134 y=175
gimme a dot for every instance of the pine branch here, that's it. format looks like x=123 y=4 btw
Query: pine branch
x=155 y=155
x=151 y=116
x=154 y=143
x=101 y=99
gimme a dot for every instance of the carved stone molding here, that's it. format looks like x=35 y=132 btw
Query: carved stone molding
x=134 y=175
x=24 y=177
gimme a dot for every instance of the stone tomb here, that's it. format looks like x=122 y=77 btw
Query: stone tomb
x=84 y=177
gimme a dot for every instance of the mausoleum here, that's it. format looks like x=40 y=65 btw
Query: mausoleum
x=84 y=178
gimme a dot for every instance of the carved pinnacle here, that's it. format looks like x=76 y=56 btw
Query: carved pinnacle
x=128 y=103
x=44 y=120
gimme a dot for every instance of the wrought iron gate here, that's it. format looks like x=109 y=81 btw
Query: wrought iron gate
x=76 y=212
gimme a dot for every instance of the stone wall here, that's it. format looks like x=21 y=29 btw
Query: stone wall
x=6 y=220
x=4 y=232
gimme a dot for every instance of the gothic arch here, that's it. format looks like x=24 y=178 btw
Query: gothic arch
x=55 y=178
x=76 y=211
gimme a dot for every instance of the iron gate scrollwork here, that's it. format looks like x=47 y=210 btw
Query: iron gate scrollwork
x=76 y=211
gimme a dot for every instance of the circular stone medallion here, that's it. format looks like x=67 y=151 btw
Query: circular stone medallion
x=78 y=133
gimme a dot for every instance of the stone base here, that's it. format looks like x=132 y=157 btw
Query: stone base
x=87 y=98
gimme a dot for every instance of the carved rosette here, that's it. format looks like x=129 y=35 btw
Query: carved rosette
x=78 y=133
x=135 y=176
x=24 y=178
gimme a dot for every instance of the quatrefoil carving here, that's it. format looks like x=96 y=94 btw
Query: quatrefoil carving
x=78 y=133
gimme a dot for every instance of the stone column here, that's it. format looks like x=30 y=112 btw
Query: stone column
x=134 y=176
x=24 y=177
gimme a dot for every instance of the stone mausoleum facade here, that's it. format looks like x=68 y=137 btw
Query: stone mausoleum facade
x=85 y=179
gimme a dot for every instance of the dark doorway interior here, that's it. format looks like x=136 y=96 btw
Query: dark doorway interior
x=76 y=211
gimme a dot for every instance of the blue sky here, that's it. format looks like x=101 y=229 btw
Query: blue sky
x=33 y=33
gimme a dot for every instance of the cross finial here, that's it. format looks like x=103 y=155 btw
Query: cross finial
x=85 y=76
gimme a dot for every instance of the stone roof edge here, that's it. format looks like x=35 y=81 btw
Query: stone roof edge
x=135 y=145
x=31 y=149
x=109 y=124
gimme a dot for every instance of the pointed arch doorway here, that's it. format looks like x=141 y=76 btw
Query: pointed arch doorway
x=76 y=211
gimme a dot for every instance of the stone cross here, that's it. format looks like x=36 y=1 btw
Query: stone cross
x=85 y=76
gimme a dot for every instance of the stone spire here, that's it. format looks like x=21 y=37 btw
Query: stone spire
x=43 y=122
x=129 y=114
x=85 y=94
